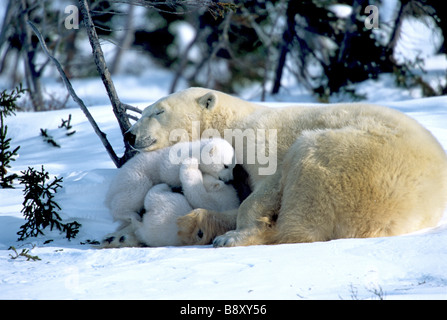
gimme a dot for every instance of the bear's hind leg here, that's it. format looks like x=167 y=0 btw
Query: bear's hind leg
x=255 y=219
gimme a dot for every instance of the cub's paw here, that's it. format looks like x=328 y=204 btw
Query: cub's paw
x=120 y=239
x=190 y=163
x=212 y=184
x=193 y=228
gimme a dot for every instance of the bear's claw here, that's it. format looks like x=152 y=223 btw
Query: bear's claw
x=122 y=238
x=229 y=239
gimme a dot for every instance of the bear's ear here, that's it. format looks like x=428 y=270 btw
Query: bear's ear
x=208 y=101
x=212 y=151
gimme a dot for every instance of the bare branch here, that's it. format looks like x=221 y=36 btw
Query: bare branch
x=101 y=65
x=168 y=3
x=215 y=8
x=132 y=117
x=117 y=106
x=132 y=108
x=75 y=97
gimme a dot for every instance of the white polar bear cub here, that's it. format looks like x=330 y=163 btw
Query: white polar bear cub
x=126 y=194
x=159 y=223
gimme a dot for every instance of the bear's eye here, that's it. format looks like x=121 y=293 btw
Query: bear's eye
x=158 y=112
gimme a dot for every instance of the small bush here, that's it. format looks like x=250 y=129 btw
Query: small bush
x=7 y=107
x=39 y=208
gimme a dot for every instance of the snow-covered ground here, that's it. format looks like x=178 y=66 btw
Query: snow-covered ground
x=411 y=266
x=405 y=267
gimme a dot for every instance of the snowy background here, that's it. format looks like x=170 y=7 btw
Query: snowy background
x=411 y=266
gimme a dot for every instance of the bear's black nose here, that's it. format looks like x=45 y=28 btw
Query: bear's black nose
x=130 y=138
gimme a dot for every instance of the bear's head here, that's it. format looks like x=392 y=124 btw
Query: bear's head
x=173 y=119
x=185 y=116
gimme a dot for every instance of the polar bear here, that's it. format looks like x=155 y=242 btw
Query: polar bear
x=162 y=206
x=129 y=187
x=342 y=171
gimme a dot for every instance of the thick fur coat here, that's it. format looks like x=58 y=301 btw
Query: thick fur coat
x=149 y=209
x=342 y=171
x=129 y=187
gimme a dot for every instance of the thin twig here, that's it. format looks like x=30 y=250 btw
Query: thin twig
x=132 y=117
x=75 y=97
x=132 y=108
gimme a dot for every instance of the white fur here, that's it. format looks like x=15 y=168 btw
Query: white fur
x=146 y=180
x=125 y=197
x=159 y=223
x=205 y=191
x=342 y=171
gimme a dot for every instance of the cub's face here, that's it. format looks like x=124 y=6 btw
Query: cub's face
x=222 y=172
x=218 y=160
x=170 y=120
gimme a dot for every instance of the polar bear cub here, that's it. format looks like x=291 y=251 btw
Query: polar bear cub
x=126 y=194
x=163 y=207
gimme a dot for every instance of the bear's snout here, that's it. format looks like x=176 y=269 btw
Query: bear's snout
x=130 y=138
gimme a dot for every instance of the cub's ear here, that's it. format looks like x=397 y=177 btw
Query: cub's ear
x=208 y=101
x=212 y=151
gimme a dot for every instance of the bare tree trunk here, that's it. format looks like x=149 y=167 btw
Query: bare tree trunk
x=395 y=35
x=6 y=21
x=222 y=43
x=70 y=48
x=351 y=29
x=119 y=108
x=288 y=36
x=32 y=76
x=184 y=60
x=125 y=41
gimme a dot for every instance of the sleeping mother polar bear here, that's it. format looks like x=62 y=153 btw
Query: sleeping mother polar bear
x=339 y=171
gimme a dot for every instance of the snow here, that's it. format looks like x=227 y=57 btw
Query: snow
x=404 y=267
x=341 y=10
x=412 y=266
